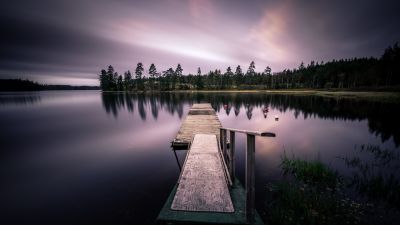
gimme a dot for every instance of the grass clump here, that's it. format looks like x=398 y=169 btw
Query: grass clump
x=311 y=195
x=313 y=173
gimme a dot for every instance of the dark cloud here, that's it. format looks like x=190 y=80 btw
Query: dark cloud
x=47 y=39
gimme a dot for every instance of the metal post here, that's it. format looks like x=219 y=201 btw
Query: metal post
x=250 y=177
x=232 y=155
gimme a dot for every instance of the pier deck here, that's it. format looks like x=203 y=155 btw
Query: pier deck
x=202 y=185
x=201 y=119
x=208 y=191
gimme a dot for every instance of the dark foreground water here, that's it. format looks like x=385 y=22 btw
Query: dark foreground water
x=83 y=157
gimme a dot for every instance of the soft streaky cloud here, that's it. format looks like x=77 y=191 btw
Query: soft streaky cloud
x=179 y=41
x=271 y=36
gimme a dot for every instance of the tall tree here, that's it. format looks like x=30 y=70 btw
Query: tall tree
x=153 y=71
x=139 y=72
x=104 y=80
x=228 y=76
x=238 y=76
x=251 y=69
x=128 y=80
x=250 y=73
x=168 y=77
x=178 y=70
x=177 y=75
x=153 y=75
x=112 y=81
x=120 y=84
x=267 y=71
x=199 y=79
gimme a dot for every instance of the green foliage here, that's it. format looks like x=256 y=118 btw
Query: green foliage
x=312 y=173
x=295 y=203
x=314 y=195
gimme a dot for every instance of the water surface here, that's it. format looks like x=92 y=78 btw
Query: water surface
x=86 y=157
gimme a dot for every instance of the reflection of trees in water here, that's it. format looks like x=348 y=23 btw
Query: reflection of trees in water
x=381 y=117
x=153 y=105
x=19 y=99
x=249 y=111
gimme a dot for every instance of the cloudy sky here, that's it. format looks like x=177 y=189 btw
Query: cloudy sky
x=69 y=42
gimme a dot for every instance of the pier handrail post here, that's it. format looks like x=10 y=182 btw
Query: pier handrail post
x=250 y=164
x=250 y=177
x=232 y=156
x=223 y=141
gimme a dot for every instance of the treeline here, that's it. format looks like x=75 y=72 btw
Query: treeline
x=344 y=73
x=28 y=85
x=19 y=85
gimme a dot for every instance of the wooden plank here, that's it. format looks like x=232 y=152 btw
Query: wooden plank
x=238 y=195
x=202 y=185
x=201 y=119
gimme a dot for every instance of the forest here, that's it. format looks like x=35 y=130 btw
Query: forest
x=28 y=85
x=354 y=73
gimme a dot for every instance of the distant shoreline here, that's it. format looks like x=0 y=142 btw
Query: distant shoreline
x=19 y=85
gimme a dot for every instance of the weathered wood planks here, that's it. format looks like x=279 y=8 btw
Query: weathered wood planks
x=201 y=119
x=202 y=185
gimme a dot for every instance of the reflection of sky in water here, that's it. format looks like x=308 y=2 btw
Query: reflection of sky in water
x=84 y=157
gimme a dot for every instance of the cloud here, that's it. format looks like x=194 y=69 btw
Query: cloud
x=271 y=35
x=59 y=39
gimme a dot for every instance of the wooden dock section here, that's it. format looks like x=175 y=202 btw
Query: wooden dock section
x=202 y=185
x=238 y=196
x=201 y=119
x=208 y=191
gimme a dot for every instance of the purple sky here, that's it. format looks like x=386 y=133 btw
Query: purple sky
x=69 y=42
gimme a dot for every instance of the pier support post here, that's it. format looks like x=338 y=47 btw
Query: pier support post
x=223 y=142
x=232 y=156
x=250 y=177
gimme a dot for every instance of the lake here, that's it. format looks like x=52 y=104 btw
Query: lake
x=87 y=157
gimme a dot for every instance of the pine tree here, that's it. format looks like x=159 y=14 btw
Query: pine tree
x=139 y=79
x=177 y=75
x=120 y=84
x=251 y=69
x=238 y=76
x=250 y=73
x=104 y=80
x=153 y=71
x=128 y=80
x=199 y=79
x=153 y=75
x=111 y=78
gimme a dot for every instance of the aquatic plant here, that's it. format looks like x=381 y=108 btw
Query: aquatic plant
x=310 y=172
x=312 y=194
x=378 y=180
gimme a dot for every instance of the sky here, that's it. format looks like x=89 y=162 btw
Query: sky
x=69 y=42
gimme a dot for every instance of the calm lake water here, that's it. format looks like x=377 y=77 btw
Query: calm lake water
x=85 y=157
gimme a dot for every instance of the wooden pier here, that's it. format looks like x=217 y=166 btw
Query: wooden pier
x=207 y=191
x=201 y=119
